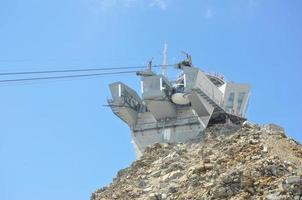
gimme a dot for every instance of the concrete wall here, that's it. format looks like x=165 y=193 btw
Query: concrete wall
x=176 y=134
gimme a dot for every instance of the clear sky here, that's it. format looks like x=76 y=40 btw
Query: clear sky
x=58 y=142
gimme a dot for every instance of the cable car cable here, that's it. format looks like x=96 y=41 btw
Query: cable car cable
x=64 y=77
x=74 y=70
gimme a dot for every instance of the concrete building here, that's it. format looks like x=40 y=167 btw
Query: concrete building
x=179 y=110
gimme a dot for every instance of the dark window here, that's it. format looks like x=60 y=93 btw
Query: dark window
x=230 y=102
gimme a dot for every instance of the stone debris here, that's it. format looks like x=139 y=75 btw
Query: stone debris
x=248 y=162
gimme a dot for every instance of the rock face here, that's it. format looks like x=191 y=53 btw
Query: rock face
x=230 y=162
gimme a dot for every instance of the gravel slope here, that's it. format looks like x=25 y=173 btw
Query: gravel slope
x=229 y=162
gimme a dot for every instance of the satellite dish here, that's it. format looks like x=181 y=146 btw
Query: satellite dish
x=180 y=99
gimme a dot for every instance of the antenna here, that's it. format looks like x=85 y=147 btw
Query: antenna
x=187 y=62
x=147 y=72
x=188 y=56
x=165 y=60
x=149 y=66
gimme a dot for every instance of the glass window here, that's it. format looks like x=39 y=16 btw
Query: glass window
x=230 y=102
x=240 y=100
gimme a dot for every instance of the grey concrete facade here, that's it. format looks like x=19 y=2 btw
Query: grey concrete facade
x=177 y=111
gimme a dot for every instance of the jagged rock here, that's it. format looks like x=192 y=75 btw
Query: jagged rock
x=230 y=162
x=208 y=166
x=172 y=175
x=294 y=179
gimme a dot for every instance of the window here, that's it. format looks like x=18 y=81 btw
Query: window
x=240 y=100
x=230 y=102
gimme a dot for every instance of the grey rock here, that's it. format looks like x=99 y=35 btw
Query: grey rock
x=294 y=179
x=242 y=163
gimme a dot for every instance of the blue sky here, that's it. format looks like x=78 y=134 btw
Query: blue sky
x=57 y=141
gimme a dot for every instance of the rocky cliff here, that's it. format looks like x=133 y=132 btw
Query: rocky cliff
x=229 y=162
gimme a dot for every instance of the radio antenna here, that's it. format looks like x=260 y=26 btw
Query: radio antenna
x=165 y=60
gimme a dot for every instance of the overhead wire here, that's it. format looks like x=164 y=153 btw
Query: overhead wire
x=27 y=76
x=64 y=77
x=74 y=70
x=56 y=80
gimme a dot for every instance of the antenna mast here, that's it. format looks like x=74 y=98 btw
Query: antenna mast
x=165 y=60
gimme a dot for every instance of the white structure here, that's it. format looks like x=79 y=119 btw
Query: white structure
x=165 y=61
x=177 y=111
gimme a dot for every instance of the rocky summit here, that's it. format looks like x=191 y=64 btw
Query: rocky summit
x=228 y=162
